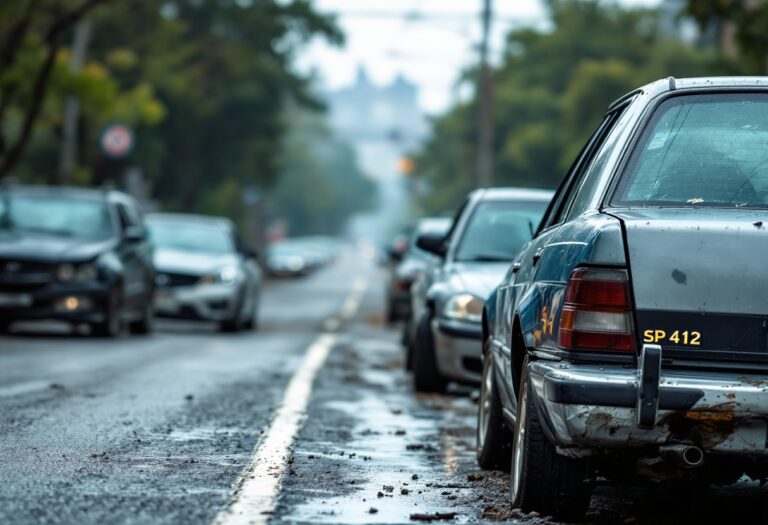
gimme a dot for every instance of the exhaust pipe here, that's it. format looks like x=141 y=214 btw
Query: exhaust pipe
x=686 y=456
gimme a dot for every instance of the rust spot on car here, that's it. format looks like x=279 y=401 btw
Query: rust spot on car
x=598 y=422
x=730 y=395
x=754 y=382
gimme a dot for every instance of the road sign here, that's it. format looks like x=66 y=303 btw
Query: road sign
x=116 y=141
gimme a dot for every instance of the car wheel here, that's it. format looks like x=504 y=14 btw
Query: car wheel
x=113 y=323
x=426 y=375
x=391 y=311
x=146 y=323
x=542 y=480
x=408 y=344
x=252 y=323
x=494 y=439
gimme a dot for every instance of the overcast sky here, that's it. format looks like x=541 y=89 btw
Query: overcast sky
x=429 y=41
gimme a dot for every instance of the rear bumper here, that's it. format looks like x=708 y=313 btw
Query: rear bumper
x=214 y=302
x=458 y=350
x=593 y=407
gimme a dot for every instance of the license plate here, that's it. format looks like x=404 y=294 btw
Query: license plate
x=165 y=300
x=15 y=299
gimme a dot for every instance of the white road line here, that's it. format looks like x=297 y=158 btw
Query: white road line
x=254 y=496
x=352 y=303
x=253 y=500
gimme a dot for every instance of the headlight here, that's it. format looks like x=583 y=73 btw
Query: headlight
x=227 y=275
x=77 y=272
x=465 y=307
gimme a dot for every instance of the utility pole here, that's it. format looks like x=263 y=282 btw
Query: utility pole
x=484 y=166
x=69 y=139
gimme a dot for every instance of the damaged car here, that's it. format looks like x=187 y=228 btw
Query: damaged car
x=628 y=341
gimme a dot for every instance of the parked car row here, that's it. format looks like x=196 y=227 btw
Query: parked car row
x=623 y=337
x=90 y=257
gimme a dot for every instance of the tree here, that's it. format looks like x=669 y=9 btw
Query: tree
x=551 y=90
x=31 y=35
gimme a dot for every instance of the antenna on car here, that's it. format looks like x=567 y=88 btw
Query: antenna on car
x=672 y=86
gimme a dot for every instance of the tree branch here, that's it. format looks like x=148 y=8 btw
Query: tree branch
x=40 y=86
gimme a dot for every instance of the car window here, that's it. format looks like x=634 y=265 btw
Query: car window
x=704 y=150
x=498 y=229
x=53 y=215
x=594 y=174
x=191 y=237
x=596 y=143
x=560 y=203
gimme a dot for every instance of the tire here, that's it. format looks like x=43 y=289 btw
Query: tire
x=252 y=323
x=494 y=439
x=392 y=317
x=408 y=344
x=426 y=375
x=146 y=324
x=113 y=324
x=542 y=480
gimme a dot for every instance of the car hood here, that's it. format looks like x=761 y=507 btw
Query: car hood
x=50 y=248
x=192 y=263
x=479 y=279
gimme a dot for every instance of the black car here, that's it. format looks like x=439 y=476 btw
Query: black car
x=629 y=339
x=75 y=255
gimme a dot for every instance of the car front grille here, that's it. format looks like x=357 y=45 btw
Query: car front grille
x=173 y=280
x=13 y=272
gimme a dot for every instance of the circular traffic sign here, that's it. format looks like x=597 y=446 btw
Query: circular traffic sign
x=116 y=141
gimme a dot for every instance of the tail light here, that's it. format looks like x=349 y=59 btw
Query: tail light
x=597 y=312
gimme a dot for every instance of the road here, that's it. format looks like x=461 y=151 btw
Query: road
x=309 y=420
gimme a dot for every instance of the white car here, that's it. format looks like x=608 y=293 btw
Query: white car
x=203 y=271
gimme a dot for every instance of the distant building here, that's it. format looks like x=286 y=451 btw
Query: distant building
x=368 y=112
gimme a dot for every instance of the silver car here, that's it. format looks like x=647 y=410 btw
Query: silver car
x=203 y=271
x=447 y=301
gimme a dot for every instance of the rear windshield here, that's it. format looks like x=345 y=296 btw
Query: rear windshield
x=701 y=151
x=498 y=229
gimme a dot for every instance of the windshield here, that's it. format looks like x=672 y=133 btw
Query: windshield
x=191 y=237
x=498 y=229
x=701 y=151
x=61 y=216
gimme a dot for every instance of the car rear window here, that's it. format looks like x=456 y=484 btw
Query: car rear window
x=701 y=151
x=498 y=229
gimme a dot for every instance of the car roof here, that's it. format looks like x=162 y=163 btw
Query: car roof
x=190 y=218
x=96 y=194
x=695 y=83
x=433 y=224
x=521 y=194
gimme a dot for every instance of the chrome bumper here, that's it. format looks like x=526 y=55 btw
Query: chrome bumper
x=458 y=349
x=212 y=302
x=592 y=407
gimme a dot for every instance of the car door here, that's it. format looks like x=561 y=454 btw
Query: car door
x=135 y=253
x=522 y=292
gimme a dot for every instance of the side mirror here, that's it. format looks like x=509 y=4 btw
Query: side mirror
x=394 y=254
x=432 y=243
x=135 y=233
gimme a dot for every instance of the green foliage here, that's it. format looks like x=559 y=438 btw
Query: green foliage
x=551 y=90
x=203 y=83
x=749 y=20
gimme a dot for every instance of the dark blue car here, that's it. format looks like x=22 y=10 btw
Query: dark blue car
x=629 y=339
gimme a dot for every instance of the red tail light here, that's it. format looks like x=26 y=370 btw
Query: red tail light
x=597 y=312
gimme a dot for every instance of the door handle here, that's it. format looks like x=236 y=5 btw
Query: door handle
x=516 y=267
x=537 y=255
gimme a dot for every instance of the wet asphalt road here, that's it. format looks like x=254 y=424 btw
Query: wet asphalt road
x=159 y=429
